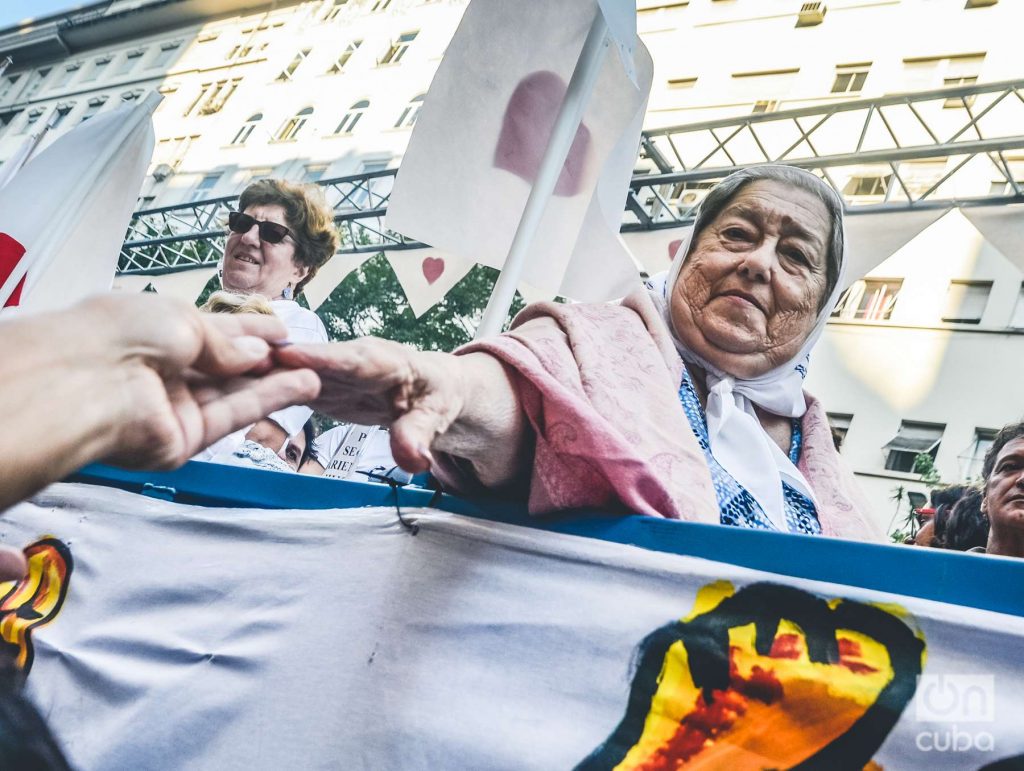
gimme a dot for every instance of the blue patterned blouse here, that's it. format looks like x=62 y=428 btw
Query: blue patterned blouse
x=737 y=506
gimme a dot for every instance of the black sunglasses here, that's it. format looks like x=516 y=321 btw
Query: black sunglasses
x=271 y=232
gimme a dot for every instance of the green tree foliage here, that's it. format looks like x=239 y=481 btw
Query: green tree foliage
x=370 y=301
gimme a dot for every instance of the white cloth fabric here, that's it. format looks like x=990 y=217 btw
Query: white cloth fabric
x=352 y=451
x=251 y=454
x=738 y=441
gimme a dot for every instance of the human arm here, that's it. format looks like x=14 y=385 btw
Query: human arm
x=138 y=381
x=465 y=406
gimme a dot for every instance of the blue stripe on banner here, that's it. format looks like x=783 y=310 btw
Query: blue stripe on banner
x=987 y=583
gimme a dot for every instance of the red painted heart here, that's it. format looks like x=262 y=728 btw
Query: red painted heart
x=526 y=128
x=673 y=246
x=432 y=268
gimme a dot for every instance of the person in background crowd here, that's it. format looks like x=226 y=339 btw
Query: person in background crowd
x=350 y=451
x=267 y=443
x=932 y=520
x=1003 y=493
x=684 y=401
x=965 y=526
x=139 y=381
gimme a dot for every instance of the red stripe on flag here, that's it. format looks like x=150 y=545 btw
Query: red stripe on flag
x=11 y=253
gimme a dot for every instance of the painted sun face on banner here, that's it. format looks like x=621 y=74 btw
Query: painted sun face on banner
x=36 y=599
x=767 y=677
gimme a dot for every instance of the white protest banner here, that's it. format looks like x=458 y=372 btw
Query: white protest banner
x=477 y=147
x=158 y=635
x=64 y=215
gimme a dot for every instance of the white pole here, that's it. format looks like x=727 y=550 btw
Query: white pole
x=577 y=95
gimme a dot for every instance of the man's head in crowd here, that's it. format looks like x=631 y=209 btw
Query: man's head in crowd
x=1003 y=495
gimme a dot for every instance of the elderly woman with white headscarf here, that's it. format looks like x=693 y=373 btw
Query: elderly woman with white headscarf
x=685 y=400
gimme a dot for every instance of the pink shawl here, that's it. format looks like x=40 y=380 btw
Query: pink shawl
x=599 y=386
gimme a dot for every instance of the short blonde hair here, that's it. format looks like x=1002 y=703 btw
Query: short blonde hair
x=308 y=216
x=223 y=301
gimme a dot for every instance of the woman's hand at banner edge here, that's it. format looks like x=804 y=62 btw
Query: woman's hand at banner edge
x=463 y=405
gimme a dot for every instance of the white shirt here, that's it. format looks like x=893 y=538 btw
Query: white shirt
x=351 y=451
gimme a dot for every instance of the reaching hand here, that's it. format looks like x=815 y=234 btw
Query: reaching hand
x=419 y=394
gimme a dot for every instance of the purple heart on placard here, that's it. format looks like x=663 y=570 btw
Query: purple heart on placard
x=432 y=268
x=526 y=128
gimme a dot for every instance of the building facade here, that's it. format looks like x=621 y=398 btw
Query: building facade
x=925 y=353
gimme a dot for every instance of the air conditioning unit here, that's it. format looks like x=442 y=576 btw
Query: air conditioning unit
x=980 y=3
x=811 y=14
x=162 y=172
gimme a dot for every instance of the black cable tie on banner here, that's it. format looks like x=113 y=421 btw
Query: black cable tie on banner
x=394 y=485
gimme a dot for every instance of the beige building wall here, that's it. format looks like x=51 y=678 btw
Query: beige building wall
x=713 y=59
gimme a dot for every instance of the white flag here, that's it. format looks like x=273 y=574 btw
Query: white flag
x=427 y=275
x=483 y=130
x=64 y=216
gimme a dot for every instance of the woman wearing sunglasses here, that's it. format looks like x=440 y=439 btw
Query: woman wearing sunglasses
x=280 y=236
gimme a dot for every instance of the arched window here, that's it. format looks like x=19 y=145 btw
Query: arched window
x=411 y=111
x=355 y=112
x=291 y=129
x=246 y=130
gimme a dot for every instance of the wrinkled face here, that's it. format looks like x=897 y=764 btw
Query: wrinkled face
x=748 y=295
x=252 y=265
x=1004 y=492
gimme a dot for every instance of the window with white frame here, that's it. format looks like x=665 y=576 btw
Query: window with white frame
x=867 y=185
x=334 y=8
x=7 y=117
x=973 y=456
x=925 y=73
x=966 y=301
x=408 y=117
x=379 y=6
x=130 y=61
x=398 y=48
x=94 y=106
x=293 y=65
x=911 y=440
x=243 y=134
x=31 y=118
x=35 y=82
x=166 y=53
x=343 y=57
x=65 y=76
x=204 y=92
x=7 y=86
x=765 y=105
x=763 y=89
x=313 y=173
x=218 y=96
x=291 y=128
x=204 y=190
x=63 y=110
x=352 y=117
x=870 y=299
x=370 y=192
x=96 y=69
x=839 y=422
x=850 y=78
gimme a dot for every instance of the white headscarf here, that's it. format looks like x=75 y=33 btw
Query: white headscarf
x=738 y=442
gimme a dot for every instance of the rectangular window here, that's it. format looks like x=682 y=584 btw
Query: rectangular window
x=165 y=54
x=913 y=439
x=62 y=111
x=966 y=301
x=869 y=299
x=287 y=72
x=850 y=78
x=398 y=48
x=67 y=74
x=342 y=60
x=380 y=5
x=7 y=117
x=839 y=422
x=31 y=118
x=205 y=188
x=869 y=185
x=204 y=92
x=94 y=106
x=334 y=9
x=96 y=69
x=7 y=86
x=682 y=83
x=218 y=96
x=129 y=62
x=35 y=81
x=314 y=173
x=973 y=457
x=765 y=105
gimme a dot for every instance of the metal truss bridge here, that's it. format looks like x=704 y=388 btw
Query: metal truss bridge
x=958 y=146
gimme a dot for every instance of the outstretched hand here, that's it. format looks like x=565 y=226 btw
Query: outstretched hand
x=373 y=381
